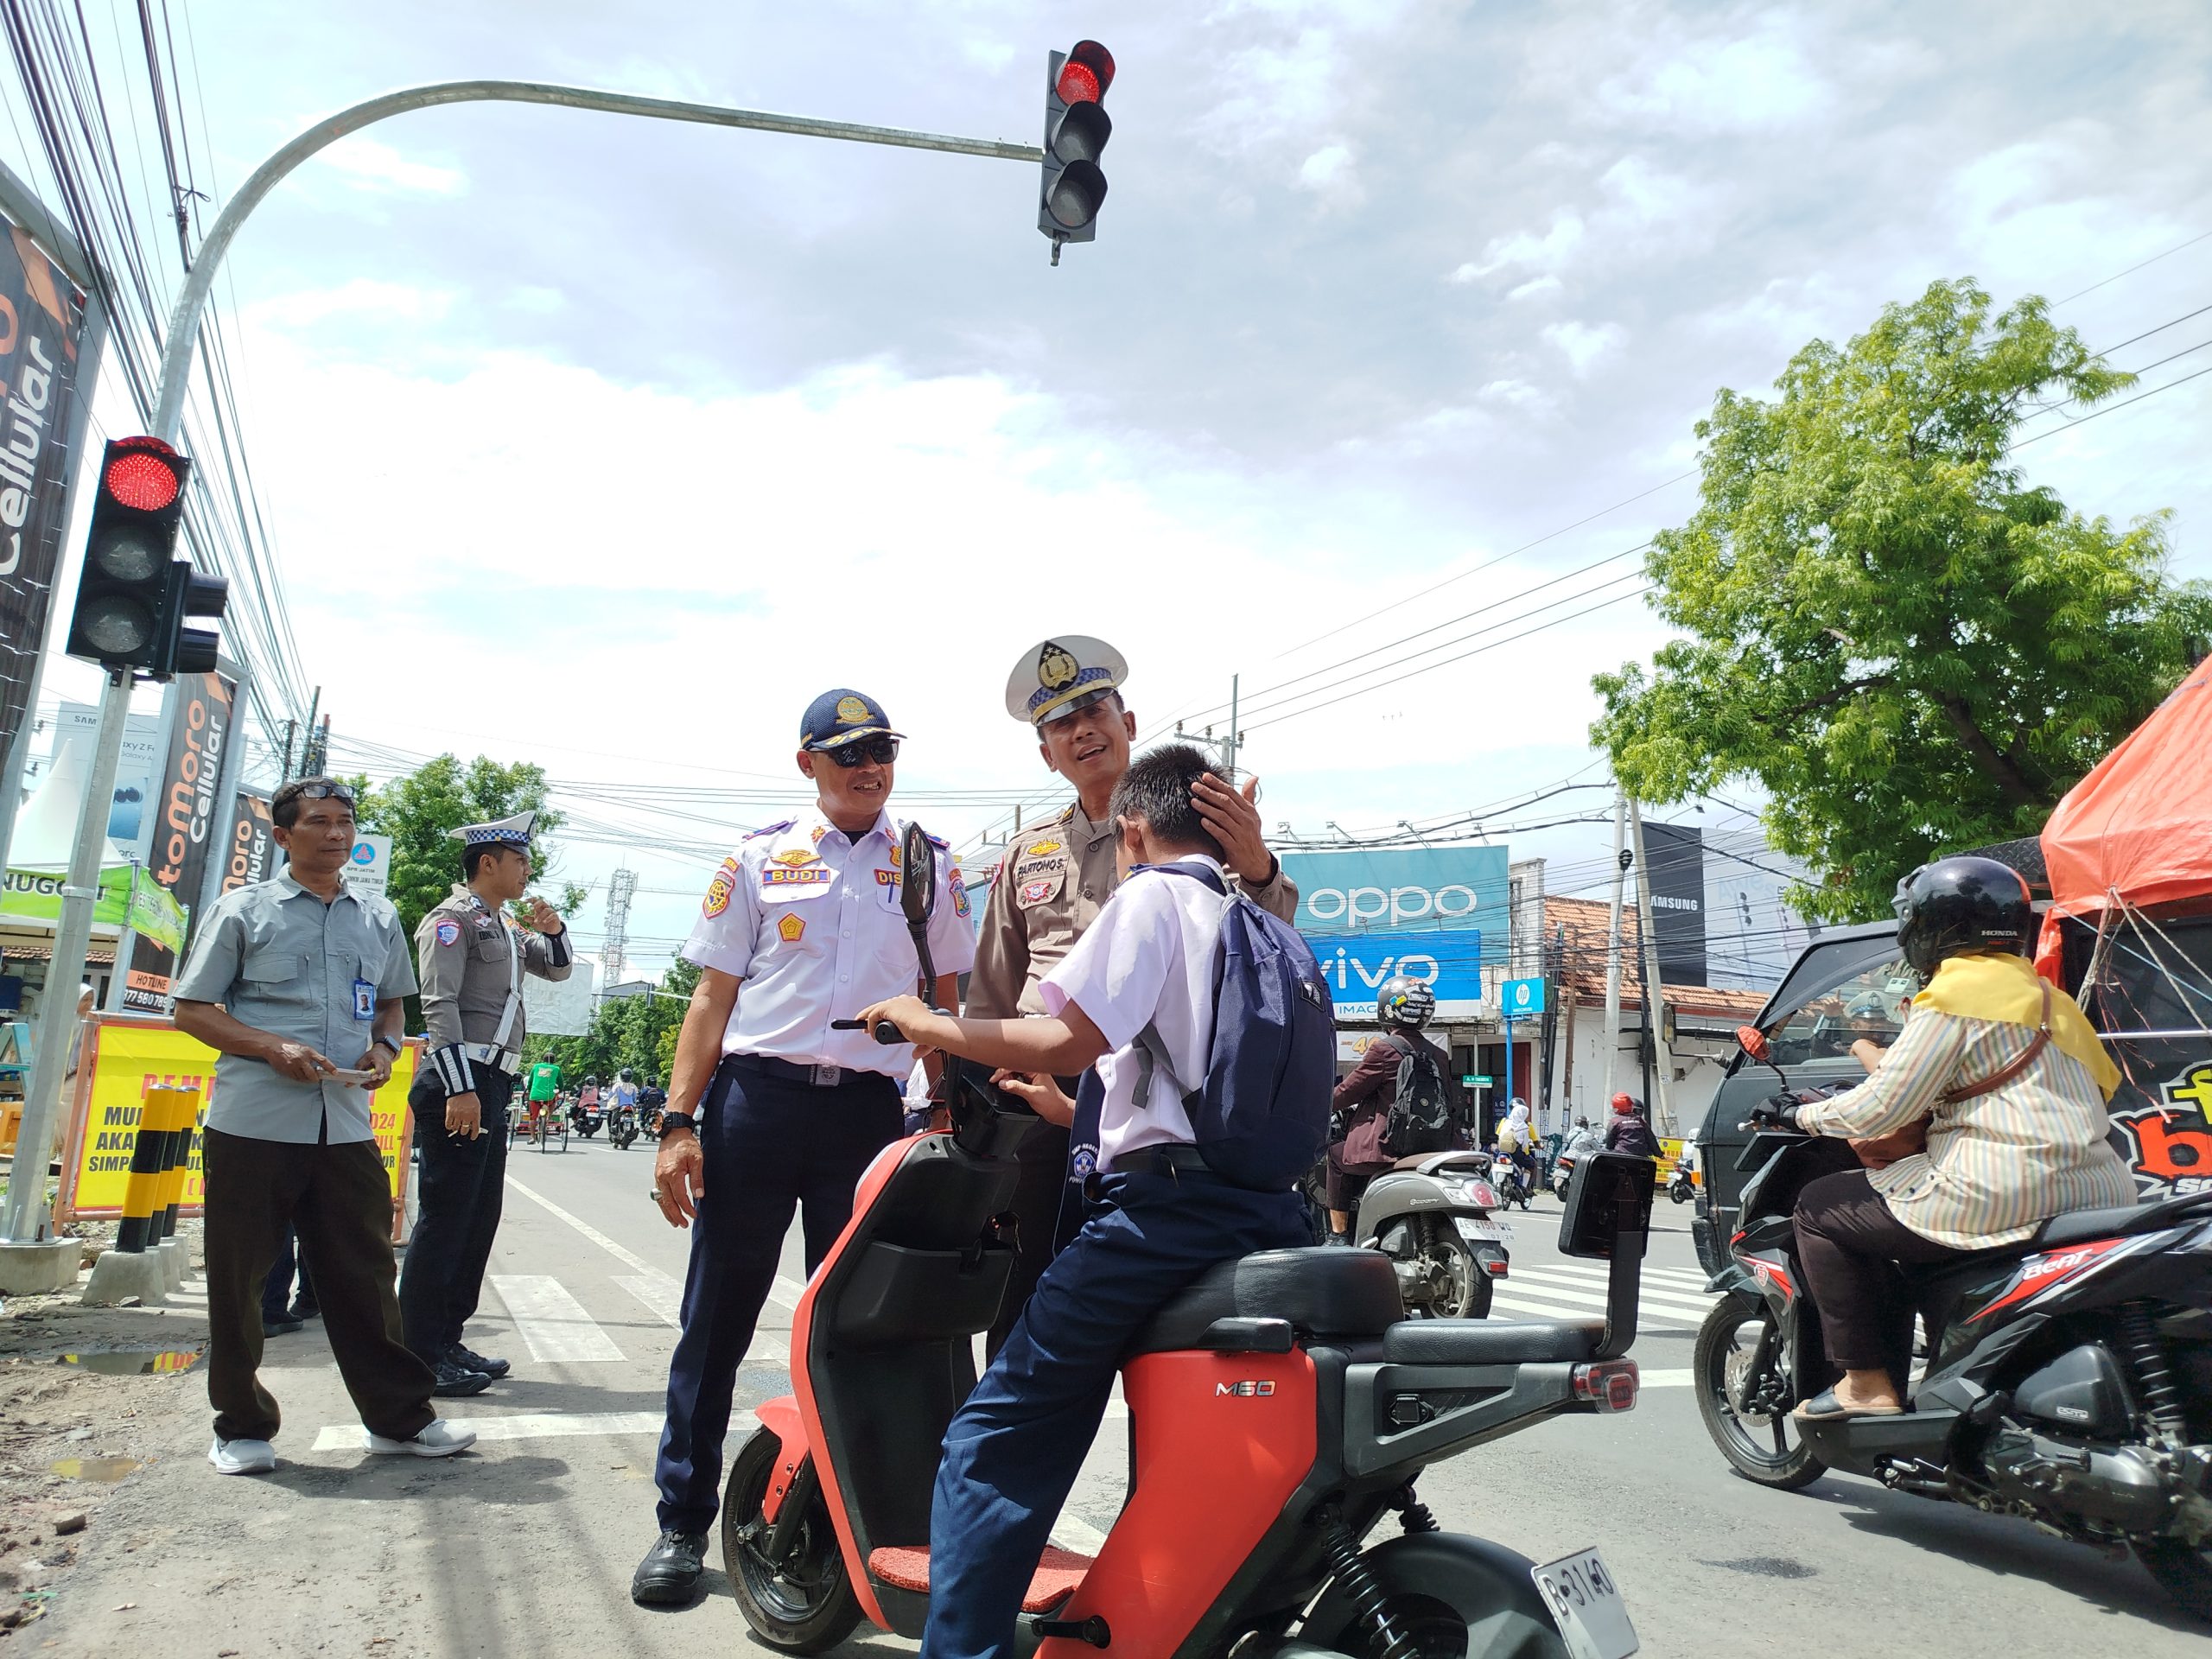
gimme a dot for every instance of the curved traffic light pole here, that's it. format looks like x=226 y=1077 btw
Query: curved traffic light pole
x=25 y=1220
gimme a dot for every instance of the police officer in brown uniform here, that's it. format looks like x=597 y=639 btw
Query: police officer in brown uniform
x=1051 y=885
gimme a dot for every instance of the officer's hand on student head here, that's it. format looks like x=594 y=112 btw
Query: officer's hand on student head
x=1232 y=817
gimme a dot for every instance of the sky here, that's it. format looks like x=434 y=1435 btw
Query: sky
x=606 y=443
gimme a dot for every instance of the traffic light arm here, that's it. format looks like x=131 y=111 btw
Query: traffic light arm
x=184 y=320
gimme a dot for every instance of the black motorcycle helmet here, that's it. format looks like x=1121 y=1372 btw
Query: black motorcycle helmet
x=1957 y=905
x=1405 y=1001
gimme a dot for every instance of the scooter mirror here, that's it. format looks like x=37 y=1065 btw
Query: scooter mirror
x=1753 y=1042
x=917 y=877
x=1610 y=1197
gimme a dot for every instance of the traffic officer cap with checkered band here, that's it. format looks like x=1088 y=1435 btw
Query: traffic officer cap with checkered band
x=1059 y=675
x=501 y=832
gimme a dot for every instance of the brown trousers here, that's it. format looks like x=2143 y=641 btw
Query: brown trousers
x=339 y=1200
x=1851 y=1246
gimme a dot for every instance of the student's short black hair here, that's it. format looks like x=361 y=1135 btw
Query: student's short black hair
x=1157 y=788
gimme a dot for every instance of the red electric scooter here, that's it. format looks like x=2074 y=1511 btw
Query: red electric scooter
x=1279 y=1408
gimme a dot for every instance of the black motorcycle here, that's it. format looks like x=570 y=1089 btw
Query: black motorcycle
x=622 y=1128
x=586 y=1119
x=2068 y=1380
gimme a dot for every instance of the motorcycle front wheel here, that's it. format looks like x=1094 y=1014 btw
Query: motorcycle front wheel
x=1761 y=1446
x=1455 y=1597
x=805 y=1603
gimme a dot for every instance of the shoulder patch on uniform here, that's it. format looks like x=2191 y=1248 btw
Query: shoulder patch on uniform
x=719 y=889
x=818 y=831
x=449 y=931
x=935 y=840
x=790 y=927
x=772 y=828
x=959 y=892
x=1035 y=893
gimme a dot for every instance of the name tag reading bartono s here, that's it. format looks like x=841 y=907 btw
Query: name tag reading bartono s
x=1587 y=1606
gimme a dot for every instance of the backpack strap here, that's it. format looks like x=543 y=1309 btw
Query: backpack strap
x=1997 y=1080
x=1197 y=872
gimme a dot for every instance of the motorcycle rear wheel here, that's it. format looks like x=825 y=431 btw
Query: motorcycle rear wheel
x=1455 y=1596
x=1758 y=1445
x=806 y=1606
x=1433 y=1240
x=2184 y=1571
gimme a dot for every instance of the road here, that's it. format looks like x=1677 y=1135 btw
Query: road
x=525 y=1547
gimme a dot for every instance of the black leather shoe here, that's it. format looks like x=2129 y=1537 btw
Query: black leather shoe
x=304 y=1311
x=669 y=1576
x=454 y=1380
x=469 y=1359
x=278 y=1328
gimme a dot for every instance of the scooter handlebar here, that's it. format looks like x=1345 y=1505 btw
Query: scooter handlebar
x=886 y=1033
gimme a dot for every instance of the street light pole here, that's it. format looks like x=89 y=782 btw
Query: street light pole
x=25 y=1219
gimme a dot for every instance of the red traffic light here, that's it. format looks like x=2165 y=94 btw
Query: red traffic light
x=143 y=473
x=1086 y=75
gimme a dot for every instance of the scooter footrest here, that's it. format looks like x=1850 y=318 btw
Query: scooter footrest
x=1058 y=1572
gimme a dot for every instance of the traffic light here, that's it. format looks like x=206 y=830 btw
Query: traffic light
x=1076 y=132
x=134 y=596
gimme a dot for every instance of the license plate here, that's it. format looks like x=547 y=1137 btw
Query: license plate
x=1587 y=1606
x=1472 y=1229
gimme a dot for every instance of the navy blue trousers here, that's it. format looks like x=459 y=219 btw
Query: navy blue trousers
x=1013 y=1450
x=460 y=1189
x=771 y=1146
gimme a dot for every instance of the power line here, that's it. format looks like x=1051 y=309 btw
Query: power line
x=2132 y=269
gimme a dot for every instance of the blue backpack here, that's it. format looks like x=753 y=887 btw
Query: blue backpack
x=1261 y=1116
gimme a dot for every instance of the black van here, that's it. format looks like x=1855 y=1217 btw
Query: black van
x=1851 y=983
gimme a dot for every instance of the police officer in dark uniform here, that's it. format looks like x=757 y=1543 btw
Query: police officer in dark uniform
x=770 y=1110
x=471 y=960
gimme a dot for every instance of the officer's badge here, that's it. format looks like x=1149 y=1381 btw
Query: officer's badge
x=1043 y=848
x=484 y=925
x=1056 y=668
x=851 y=709
x=448 y=932
x=790 y=928
x=1084 y=1163
x=820 y=830
x=1037 y=891
x=795 y=856
x=896 y=855
x=719 y=889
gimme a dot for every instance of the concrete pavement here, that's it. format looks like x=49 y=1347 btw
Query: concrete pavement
x=525 y=1546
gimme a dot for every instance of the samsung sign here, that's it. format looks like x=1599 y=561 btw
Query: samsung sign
x=1421 y=911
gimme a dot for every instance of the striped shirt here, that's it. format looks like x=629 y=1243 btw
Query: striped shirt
x=1998 y=1165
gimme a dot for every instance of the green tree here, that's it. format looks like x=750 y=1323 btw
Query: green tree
x=1911 y=649
x=420 y=810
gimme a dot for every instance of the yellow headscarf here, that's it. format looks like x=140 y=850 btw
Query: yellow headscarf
x=2006 y=987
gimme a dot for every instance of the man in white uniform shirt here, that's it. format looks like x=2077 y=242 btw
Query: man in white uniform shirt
x=771 y=1111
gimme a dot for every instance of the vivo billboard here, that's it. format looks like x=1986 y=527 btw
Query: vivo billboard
x=1423 y=910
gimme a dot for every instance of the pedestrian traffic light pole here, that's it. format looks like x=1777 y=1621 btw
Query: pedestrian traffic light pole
x=25 y=1219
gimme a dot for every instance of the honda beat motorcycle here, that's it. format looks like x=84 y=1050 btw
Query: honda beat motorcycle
x=2068 y=1380
x=1431 y=1216
x=622 y=1128
x=1281 y=1407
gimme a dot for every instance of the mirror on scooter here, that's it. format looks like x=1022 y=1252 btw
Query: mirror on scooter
x=918 y=882
x=1753 y=1042
x=1609 y=1195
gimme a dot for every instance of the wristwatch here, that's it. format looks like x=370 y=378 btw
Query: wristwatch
x=392 y=1043
x=678 y=1121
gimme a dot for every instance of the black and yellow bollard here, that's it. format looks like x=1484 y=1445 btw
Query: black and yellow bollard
x=137 y=1267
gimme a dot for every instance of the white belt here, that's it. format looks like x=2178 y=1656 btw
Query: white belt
x=491 y=1054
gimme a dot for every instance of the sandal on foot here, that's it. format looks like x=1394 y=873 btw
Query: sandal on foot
x=1825 y=1408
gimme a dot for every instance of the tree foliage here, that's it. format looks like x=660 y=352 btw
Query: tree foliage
x=1909 y=647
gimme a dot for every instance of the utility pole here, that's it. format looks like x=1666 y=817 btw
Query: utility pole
x=1654 y=990
x=1229 y=754
x=1613 y=947
x=25 y=1217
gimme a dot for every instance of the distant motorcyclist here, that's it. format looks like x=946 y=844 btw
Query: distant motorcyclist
x=1989 y=1117
x=1517 y=1142
x=1584 y=1141
x=623 y=1091
x=650 y=1099
x=1360 y=1108
x=1630 y=1129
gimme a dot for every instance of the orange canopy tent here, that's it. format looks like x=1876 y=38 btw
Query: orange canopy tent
x=2138 y=830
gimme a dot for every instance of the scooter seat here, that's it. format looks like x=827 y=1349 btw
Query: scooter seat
x=1320 y=1292
x=1490 y=1341
x=2081 y=1226
x=1058 y=1573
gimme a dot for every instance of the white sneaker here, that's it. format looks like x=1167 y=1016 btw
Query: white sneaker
x=439 y=1439
x=242 y=1457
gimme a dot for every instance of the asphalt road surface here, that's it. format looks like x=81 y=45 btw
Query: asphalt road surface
x=525 y=1546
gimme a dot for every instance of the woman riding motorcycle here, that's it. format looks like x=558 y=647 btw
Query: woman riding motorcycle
x=1360 y=1108
x=1990 y=1115
x=1516 y=1142
x=1629 y=1130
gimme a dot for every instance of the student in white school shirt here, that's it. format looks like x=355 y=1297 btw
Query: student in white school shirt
x=1160 y=1217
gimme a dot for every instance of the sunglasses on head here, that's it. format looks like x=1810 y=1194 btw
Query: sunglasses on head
x=324 y=793
x=881 y=750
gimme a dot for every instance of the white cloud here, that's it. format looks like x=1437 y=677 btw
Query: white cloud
x=1331 y=174
x=1536 y=286
x=1581 y=344
x=988 y=53
x=1527 y=250
x=363 y=297
x=1759 y=82
x=373 y=166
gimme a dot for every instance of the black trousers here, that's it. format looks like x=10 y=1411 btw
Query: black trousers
x=769 y=1145
x=1851 y=1246
x=340 y=1199
x=461 y=1186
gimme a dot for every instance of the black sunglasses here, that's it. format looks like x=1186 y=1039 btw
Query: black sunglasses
x=881 y=750
x=324 y=793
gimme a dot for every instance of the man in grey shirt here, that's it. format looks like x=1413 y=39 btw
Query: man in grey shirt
x=298 y=984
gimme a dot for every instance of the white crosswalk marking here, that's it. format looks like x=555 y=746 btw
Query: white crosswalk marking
x=551 y=1322
x=664 y=1297
x=1668 y=1298
x=535 y=1426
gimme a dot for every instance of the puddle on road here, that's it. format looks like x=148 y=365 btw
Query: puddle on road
x=107 y=1470
x=135 y=1362
x=1768 y=1567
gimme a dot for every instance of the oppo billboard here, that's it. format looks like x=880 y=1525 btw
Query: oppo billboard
x=1400 y=890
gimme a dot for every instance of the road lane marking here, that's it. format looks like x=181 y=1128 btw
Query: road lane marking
x=664 y=1297
x=552 y=1322
x=534 y=1426
x=781 y=1291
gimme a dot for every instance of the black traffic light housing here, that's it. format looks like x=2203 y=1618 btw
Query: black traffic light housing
x=1076 y=128
x=134 y=595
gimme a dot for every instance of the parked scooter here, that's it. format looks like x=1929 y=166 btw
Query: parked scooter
x=2069 y=1382
x=622 y=1128
x=1431 y=1216
x=1683 y=1187
x=1239 y=1530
